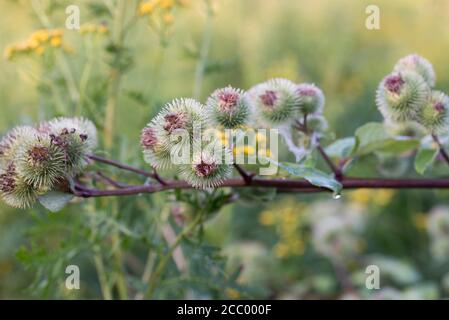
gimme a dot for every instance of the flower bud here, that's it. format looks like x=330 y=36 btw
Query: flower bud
x=155 y=153
x=275 y=101
x=14 y=190
x=77 y=137
x=13 y=140
x=208 y=168
x=400 y=96
x=228 y=107
x=434 y=115
x=317 y=123
x=170 y=130
x=40 y=162
x=418 y=64
x=311 y=98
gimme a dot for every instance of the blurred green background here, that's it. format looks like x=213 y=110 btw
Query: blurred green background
x=324 y=42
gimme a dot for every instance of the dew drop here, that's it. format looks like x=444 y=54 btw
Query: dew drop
x=336 y=196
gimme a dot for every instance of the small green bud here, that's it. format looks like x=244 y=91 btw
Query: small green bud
x=275 y=101
x=317 y=123
x=311 y=98
x=418 y=64
x=434 y=115
x=228 y=107
x=400 y=96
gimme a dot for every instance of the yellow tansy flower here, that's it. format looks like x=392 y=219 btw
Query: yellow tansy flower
x=56 y=41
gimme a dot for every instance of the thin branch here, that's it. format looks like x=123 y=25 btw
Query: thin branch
x=337 y=171
x=281 y=184
x=109 y=181
x=125 y=167
x=441 y=147
x=248 y=177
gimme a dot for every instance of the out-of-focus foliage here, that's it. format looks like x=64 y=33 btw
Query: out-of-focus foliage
x=296 y=246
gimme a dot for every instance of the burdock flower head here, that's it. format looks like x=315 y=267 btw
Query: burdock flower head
x=77 y=137
x=228 y=107
x=275 y=101
x=434 y=115
x=35 y=161
x=170 y=130
x=13 y=140
x=418 y=64
x=311 y=98
x=41 y=162
x=14 y=190
x=155 y=153
x=207 y=170
x=400 y=95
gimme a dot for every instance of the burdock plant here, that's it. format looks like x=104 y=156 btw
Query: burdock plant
x=228 y=108
x=41 y=162
x=311 y=98
x=14 y=190
x=418 y=64
x=208 y=168
x=434 y=114
x=275 y=101
x=34 y=161
x=401 y=94
x=170 y=130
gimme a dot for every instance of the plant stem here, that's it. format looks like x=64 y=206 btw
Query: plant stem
x=122 y=287
x=441 y=147
x=337 y=171
x=125 y=167
x=158 y=272
x=98 y=259
x=246 y=176
x=204 y=52
x=281 y=184
x=114 y=76
x=99 y=266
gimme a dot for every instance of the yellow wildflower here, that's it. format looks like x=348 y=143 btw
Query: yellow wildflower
x=146 y=7
x=41 y=35
x=166 y=4
x=33 y=44
x=56 y=41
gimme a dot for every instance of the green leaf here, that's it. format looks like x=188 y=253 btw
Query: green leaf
x=398 y=145
x=424 y=158
x=372 y=137
x=341 y=148
x=314 y=176
x=54 y=201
